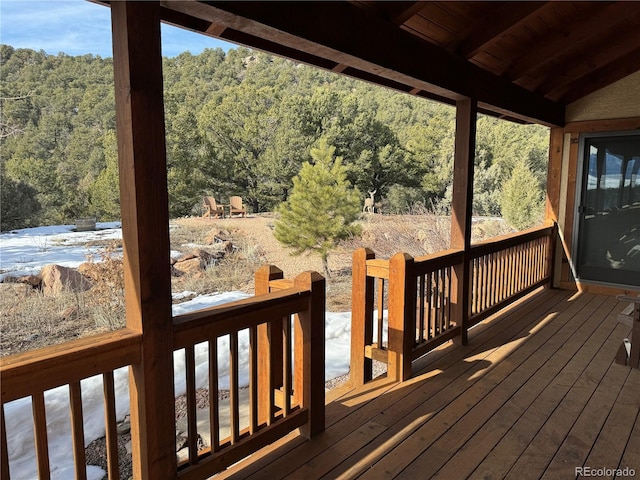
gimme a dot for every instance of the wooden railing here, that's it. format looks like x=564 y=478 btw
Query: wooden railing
x=31 y=374
x=284 y=325
x=505 y=268
x=421 y=296
x=283 y=394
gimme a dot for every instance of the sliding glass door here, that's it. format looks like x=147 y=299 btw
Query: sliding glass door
x=609 y=211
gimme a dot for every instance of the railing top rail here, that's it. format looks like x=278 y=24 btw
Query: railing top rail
x=378 y=267
x=438 y=260
x=57 y=365
x=281 y=284
x=502 y=242
x=198 y=326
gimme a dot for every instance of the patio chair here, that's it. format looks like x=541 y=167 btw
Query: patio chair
x=236 y=207
x=212 y=208
x=629 y=352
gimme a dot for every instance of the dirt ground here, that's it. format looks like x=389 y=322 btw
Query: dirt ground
x=258 y=230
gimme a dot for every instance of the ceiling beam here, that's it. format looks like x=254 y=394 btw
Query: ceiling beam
x=495 y=25
x=558 y=79
x=604 y=18
x=600 y=78
x=374 y=46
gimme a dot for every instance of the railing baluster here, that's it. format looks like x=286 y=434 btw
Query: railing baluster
x=77 y=430
x=192 y=420
x=40 y=432
x=214 y=413
x=421 y=286
x=430 y=312
x=271 y=415
x=110 y=425
x=442 y=300
x=477 y=286
x=449 y=295
x=287 y=365
x=253 y=380
x=4 y=455
x=234 y=401
x=496 y=277
x=380 y=315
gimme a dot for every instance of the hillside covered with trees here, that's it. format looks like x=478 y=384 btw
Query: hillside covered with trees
x=243 y=123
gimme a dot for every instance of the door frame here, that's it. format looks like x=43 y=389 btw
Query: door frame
x=580 y=186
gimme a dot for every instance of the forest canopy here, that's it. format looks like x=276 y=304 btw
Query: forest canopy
x=239 y=123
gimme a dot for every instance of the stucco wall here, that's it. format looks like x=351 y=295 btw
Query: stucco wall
x=618 y=100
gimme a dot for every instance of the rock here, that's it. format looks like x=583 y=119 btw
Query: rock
x=217 y=236
x=123 y=428
x=33 y=280
x=189 y=266
x=69 y=313
x=193 y=261
x=55 y=278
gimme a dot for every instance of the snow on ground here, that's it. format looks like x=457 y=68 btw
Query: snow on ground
x=26 y=251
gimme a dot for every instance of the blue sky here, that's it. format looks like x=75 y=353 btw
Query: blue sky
x=78 y=27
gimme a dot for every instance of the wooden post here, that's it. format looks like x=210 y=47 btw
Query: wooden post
x=269 y=347
x=462 y=209
x=145 y=232
x=402 y=316
x=309 y=341
x=552 y=210
x=362 y=299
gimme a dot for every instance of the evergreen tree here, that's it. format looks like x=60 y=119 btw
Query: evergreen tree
x=19 y=207
x=522 y=197
x=322 y=207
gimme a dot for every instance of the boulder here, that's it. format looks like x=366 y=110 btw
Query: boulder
x=193 y=261
x=55 y=278
x=189 y=265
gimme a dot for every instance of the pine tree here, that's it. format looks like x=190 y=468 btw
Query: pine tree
x=322 y=206
x=522 y=197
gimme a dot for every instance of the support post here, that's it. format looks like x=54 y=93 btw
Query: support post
x=270 y=366
x=145 y=230
x=362 y=299
x=552 y=210
x=462 y=209
x=309 y=341
x=402 y=316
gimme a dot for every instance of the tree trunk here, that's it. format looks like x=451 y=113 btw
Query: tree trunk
x=325 y=265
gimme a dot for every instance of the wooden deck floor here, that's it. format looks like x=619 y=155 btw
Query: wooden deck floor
x=534 y=394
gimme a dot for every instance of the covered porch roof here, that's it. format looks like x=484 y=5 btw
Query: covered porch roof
x=520 y=60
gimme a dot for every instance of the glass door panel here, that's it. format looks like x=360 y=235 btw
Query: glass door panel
x=609 y=211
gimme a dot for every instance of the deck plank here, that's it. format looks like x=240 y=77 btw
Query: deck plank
x=522 y=432
x=468 y=413
x=433 y=395
x=613 y=438
x=631 y=456
x=516 y=402
x=522 y=414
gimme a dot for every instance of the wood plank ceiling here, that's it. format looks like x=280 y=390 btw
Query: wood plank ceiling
x=521 y=60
